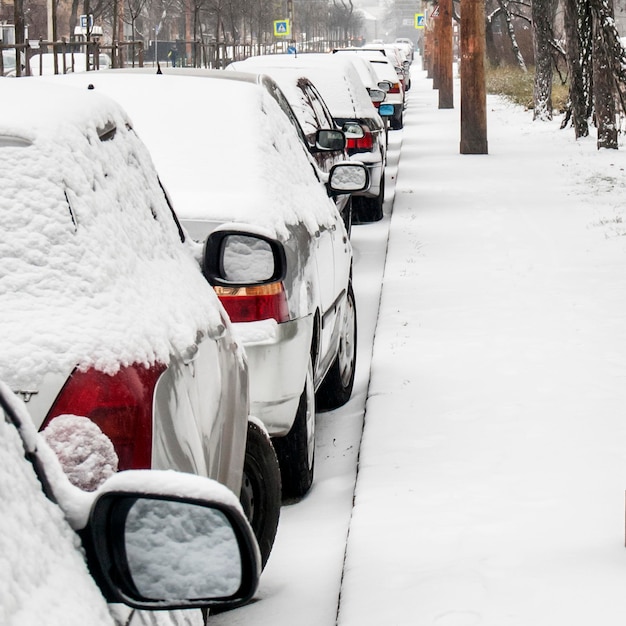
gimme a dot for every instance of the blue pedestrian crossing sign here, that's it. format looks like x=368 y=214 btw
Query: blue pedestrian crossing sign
x=282 y=28
x=419 y=20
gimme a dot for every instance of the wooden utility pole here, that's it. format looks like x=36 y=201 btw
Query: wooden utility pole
x=446 y=92
x=473 y=91
x=436 y=41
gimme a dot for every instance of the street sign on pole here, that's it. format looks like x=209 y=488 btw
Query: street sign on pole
x=419 y=20
x=282 y=28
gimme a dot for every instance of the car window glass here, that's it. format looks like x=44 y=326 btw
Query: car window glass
x=277 y=94
x=321 y=111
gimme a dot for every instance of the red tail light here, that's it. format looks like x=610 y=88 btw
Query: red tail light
x=121 y=405
x=254 y=303
x=395 y=88
x=362 y=143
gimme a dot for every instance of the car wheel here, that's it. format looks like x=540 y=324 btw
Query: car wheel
x=397 y=123
x=369 y=209
x=261 y=488
x=296 y=450
x=336 y=388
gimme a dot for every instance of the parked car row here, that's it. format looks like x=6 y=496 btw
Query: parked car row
x=198 y=316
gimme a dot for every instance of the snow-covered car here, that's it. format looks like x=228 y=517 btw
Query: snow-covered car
x=104 y=309
x=386 y=71
x=278 y=253
x=352 y=109
x=407 y=45
x=316 y=121
x=147 y=539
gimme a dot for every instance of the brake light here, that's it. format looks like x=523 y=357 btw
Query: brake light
x=395 y=88
x=121 y=405
x=255 y=303
x=362 y=143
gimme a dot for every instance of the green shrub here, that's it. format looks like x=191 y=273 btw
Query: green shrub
x=517 y=85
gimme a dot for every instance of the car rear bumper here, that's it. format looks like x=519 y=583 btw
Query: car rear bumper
x=278 y=357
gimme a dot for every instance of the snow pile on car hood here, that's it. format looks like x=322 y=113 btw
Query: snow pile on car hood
x=92 y=269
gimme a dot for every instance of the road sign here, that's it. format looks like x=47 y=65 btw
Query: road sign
x=83 y=21
x=435 y=12
x=282 y=28
x=419 y=20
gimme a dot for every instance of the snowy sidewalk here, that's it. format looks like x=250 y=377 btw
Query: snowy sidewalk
x=493 y=462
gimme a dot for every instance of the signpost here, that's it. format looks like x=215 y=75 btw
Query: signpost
x=420 y=20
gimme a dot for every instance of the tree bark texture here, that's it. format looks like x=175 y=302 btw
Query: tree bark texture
x=473 y=90
x=578 y=35
x=543 y=14
x=604 y=88
x=446 y=88
x=504 y=6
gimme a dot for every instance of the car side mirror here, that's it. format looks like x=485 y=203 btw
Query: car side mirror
x=162 y=551
x=385 y=110
x=234 y=258
x=377 y=95
x=330 y=140
x=348 y=177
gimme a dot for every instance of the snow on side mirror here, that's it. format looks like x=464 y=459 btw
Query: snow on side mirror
x=377 y=95
x=157 y=551
x=234 y=258
x=348 y=177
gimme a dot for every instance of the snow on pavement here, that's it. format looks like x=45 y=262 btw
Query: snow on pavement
x=492 y=469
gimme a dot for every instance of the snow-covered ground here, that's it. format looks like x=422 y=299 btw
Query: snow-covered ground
x=492 y=471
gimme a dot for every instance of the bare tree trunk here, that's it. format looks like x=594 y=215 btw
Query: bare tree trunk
x=603 y=89
x=493 y=54
x=578 y=35
x=543 y=12
x=473 y=89
x=504 y=5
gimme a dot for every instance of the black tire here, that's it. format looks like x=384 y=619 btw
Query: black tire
x=336 y=387
x=397 y=123
x=296 y=450
x=261 y=489
x=366 y=210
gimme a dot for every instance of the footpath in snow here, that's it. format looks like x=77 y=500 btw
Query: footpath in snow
x=492 y=469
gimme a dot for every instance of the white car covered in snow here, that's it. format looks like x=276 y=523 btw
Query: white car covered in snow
x=277 y=250
x=104 y=309
x=352 y=108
